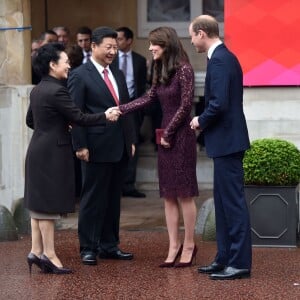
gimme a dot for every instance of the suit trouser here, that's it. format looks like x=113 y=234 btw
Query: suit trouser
x=130 y=174
x=232 y=218
x=99 y=213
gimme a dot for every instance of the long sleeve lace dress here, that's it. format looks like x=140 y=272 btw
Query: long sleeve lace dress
x=177 y=164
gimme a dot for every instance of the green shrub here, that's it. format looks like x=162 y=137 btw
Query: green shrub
x=272 y=162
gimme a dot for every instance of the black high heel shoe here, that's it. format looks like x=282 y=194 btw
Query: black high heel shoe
x=33 y=259
x=189 y=263
x=49 y=267
x=172 y=263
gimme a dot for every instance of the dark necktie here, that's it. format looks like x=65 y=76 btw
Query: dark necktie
x=124 y=65
x=110 y=86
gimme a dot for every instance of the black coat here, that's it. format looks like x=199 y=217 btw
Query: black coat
x=49 y=165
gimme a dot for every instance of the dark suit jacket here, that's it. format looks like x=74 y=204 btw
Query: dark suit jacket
x=49 y=167
x=223 y=121
x=105 y=143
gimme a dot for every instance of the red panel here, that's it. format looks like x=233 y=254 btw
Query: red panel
x=265 y=35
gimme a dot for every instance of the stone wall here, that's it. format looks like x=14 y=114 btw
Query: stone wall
x=273 y=112
x=14 y=138
x=15 y=62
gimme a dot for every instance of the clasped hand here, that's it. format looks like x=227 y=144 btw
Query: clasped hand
x=113 y=113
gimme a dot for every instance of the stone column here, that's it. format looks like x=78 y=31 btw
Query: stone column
x=15 y=45
x=15 y=86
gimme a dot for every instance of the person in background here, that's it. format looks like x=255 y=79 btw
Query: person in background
x=226 y=138
x=35 y=45
x=75 y=56
x=83 y=38
x=104 y=150
x=48 y=36
x=134 y=67
x=63 y=35
x=49 y=170
x=173 y=87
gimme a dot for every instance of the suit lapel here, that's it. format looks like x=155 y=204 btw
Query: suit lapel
x=218 y=48
x=100 y=83
x=135 y=67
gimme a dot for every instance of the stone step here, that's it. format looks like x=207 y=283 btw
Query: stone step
x=147 y=175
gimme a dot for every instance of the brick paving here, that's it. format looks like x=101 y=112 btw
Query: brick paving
x=275 y=274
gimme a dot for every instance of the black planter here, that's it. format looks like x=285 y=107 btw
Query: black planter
x=274 y=214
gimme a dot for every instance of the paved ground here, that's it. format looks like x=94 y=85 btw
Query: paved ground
x=275 y=275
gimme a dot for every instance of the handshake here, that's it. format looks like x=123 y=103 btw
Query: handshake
x=113 y=113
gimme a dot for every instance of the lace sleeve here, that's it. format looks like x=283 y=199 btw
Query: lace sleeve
x=148 y=98
x=186 y=81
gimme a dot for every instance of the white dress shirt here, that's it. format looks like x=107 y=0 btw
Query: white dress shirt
x=212 y=48
x=86 y=56
x=110 y=75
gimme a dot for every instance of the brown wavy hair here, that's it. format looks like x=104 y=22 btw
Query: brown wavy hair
x=173 y=56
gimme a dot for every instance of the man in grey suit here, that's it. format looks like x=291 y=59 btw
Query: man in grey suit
x=104 y=150
x=226 y=139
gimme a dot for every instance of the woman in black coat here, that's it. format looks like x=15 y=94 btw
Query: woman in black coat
x=49 y=166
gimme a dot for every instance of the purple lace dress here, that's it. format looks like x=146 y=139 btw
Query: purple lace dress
x=176 y=165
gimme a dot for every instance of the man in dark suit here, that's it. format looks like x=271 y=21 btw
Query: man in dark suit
x=48 y=36
x=226 y=139
x=83 y=38
x=104 y=150
x=134 y=67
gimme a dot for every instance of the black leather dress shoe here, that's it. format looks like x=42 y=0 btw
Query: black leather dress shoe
x=88 y=258
x=118 y=254
x=212 y=268
x=134 y=193
x=230 y=273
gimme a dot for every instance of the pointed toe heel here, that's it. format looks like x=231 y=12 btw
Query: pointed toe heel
x=49 y=267
x=189 y=263
x=33 y=259
x=172 y=263
x=167 y=264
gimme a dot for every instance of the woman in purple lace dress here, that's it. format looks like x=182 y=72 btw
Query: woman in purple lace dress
x=173 y=87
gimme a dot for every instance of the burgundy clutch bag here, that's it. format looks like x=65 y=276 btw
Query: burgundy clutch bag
x=158 y=135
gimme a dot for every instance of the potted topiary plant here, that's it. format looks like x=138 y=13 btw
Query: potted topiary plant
x=272 y=176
